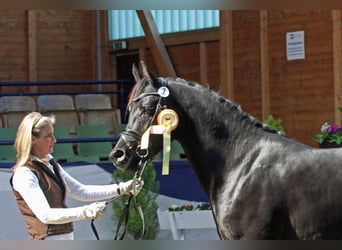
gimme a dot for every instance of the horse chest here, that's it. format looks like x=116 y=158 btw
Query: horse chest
x=244 y=205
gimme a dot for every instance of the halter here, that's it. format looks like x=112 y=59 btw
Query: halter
x=167 y=121
x=133 y=133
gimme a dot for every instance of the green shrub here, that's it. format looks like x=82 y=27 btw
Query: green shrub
x=274 y=123
x=146 y=198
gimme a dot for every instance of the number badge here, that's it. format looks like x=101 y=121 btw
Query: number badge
x=163 y=92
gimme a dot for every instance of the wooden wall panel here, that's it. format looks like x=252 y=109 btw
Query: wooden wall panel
x=47 y=45
x=213 y=68
x=13 y=44
x=247 y=71
x=301 y=91
x=187 y=64
x=66 y=45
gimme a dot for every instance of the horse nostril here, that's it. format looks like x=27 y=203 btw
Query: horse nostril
x=119 y=155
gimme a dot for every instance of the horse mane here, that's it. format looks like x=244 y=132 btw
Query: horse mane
x=231 y=106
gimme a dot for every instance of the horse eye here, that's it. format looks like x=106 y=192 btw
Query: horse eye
x=149 y=109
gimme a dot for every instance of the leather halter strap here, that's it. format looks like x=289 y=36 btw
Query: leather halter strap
x=143 y=95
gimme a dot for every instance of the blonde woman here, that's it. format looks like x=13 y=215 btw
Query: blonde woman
x=40 y=185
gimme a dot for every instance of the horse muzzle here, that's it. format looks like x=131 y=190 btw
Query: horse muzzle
x=124 y=154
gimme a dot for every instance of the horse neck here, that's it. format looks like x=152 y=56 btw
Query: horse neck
x=209 y=127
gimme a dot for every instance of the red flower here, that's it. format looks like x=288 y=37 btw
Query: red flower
x=188 y=207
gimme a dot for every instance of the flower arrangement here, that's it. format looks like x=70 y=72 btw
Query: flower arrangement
x=200 y=206
x=329 y=134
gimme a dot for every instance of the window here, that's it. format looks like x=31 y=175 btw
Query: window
x=125 y=23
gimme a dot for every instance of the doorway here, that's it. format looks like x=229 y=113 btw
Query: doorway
x=124 y=64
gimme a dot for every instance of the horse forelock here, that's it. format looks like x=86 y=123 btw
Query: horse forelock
x=136 y=90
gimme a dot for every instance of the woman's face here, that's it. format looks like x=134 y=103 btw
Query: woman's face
x=43 y=144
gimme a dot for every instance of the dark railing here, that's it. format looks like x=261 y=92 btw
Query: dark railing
x=121 y=90
x=73 y=140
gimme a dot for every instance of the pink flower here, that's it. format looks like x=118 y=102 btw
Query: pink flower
x=333 y=128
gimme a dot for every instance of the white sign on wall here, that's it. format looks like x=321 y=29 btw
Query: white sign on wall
x=295 y=46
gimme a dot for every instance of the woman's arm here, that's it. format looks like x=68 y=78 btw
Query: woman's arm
x=26 y=183
x=82 y=192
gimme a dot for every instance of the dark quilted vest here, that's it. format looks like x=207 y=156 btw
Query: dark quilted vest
x=54 y=190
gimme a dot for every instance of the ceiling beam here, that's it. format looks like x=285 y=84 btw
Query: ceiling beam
x=159 y=52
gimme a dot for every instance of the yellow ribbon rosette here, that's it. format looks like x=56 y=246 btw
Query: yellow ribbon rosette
x=167 y=121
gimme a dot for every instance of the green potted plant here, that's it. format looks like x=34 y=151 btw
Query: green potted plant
x=274 y=123
x=147 y=200
x=330 y=136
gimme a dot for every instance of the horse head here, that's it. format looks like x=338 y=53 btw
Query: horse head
x=144 y=105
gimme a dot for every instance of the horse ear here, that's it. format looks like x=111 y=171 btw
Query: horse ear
x=135 y=73
x=145 y=71
x=150 y=77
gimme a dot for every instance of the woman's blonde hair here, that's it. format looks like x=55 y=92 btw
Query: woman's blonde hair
x=32 y=124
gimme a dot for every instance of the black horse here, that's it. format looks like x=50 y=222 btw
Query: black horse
x=261 y=185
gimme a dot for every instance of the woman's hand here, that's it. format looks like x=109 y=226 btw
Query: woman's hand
x=133 y=186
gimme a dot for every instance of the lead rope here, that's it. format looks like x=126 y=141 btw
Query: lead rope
x=125 y=212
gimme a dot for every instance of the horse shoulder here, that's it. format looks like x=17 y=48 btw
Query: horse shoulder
x=253 y=192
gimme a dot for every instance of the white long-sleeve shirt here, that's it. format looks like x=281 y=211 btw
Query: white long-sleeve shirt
x=27 y=184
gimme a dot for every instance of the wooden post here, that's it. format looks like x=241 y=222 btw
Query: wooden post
x=265 y=81
x=226 y=54
x=32 y=45
x=156 y=44
x=337 y=57
x=96 y=43
x=203 y=63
